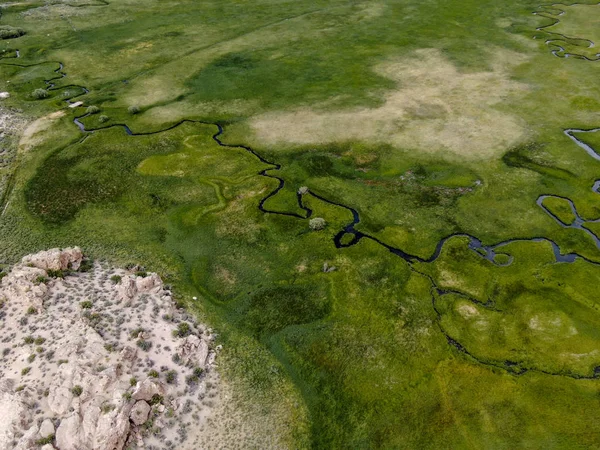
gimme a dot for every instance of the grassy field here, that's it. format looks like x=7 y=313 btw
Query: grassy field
x=428 y=118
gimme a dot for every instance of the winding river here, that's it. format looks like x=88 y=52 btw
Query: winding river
x=349 y=236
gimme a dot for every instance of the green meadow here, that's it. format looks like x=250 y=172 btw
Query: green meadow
x=428 y=118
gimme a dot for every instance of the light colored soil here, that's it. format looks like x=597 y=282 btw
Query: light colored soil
x=436 y=108
x=33 y=134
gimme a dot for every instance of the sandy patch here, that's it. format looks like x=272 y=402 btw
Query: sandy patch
x=467 y=311
x=32 y=135
x=435 y=108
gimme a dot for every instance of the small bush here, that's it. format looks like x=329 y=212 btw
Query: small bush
x=29 y=339
x=26 y=370
x=86 y=265
x=39 y=340
x=317 y=224
x=171 y=377
x=86 y=304
x=47 y=440
x=136 y=332
x=155 y=400
x=107 y=408
x=30 y=358
x=153 y=374
x=183 y=330
x=40 y=94
x=41 y=279
x=92 y=109
x=133 y=109
x=77 y=390
x=144 y=345
x=56 y=273
x=8 y=32
x=31 y=310
x=132 y=381
x=116 y=279
x=141 y=273
x=103 y=118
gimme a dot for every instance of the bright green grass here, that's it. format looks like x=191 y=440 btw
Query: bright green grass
x=357 y=357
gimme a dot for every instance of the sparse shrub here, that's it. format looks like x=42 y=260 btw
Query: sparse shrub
x=26 y=370
x=317 y=224
x=92 y=109
x=62 y=361
x=198 y=371
x=41 y=279
x=86 y=265
x=132 y=381
x=29 y=339
x=39 y=340
x=171 y=377
x=133 y=109
x=141 y=273
x=56 y=273
x=155 y=400
x=39 y=349
x=183 y=330
x=6 y=352
x=47 y=440
x=136 y=332
x=127 y=395
x=30 y=358
x=108 y=347
x=153 y=374
x=86 y=304
x=144 y=345
x=103 y=118
x=40 y=94
x=116 y=279
x=8 y=32
x=20 y=388
x=107 y=408
x=77 y=390
x=31 y=310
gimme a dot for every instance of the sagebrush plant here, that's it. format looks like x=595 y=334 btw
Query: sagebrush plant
x=40 y=94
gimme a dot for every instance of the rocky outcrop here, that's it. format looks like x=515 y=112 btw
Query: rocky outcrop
x=55 y=259
x=193 y=350
x=98 y=369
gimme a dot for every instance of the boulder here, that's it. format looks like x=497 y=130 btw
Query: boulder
x=139 y=412
x=46 y=428
x=193 y=349
x=68 y=433
x=146 y=389
x=126 y=289
x=152 y=283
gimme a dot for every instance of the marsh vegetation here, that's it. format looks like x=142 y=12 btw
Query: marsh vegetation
x=223 y=142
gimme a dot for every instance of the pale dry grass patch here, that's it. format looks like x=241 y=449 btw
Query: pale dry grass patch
x=435 y=108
